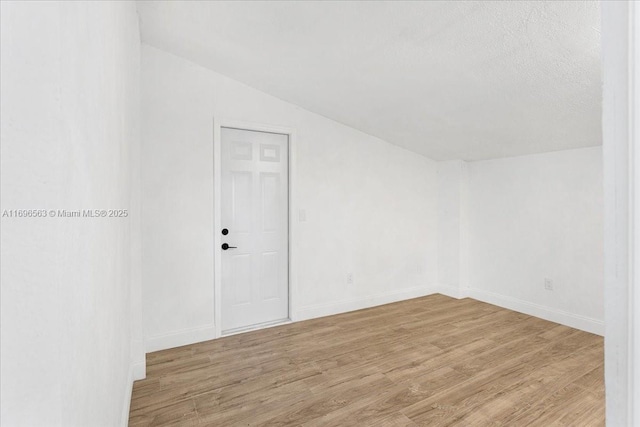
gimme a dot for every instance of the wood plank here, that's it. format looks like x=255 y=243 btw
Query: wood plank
x=428 y=361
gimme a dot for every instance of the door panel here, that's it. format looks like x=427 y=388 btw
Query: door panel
x=269 y=274
x=255 y=279
x=241 y=201
x=241 y=278
x=270 y=186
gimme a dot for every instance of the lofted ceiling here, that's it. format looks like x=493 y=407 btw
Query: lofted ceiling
x=450 y=80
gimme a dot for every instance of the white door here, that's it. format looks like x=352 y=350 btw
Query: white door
x=255 y=228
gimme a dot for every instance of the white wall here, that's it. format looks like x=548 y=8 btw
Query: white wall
x=69 y=127
x=453 y=228
x=71 y=320
x=370 y=206
x=536 y=217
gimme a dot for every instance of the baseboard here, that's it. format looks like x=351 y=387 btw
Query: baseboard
x=451 y=290
x=205 y=333
x=139 y=370
x=126 y=405
x=180 y=338
x=576 y=321
x=328 y=309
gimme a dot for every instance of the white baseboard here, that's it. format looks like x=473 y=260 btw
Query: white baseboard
x=139 y=370
x=321 y=310
x=452 y=291
x=124 y=417
x=583 y=323
x=180 y=338
x=205 y=333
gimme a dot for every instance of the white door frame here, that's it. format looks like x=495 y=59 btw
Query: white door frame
x=222 y=122
x=621 y=153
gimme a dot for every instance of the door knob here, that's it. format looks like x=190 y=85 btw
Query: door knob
x=225 y=231
x=226 y=246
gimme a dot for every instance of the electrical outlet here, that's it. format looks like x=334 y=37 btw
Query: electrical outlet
x=548 y=284
x=349 y=278
x=302 y=215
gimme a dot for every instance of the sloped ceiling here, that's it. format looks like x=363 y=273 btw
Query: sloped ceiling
x=450 y=80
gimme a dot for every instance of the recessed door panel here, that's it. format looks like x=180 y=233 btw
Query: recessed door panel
x=255 y=252
x=241 y=150
x=269 y=273
x=270 y=188
x=241 y=201
x=269 y=153
x=241 y=277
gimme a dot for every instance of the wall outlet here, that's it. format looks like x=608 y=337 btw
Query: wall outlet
x=548 y=284
x=349 y=278
x=302 y=215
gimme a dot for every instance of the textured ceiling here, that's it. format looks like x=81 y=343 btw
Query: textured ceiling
x=450 y=80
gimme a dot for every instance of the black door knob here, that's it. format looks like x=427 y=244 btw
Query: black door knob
x=226 y=246
x=225 y=231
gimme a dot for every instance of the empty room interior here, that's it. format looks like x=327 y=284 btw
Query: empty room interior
x=307 y=213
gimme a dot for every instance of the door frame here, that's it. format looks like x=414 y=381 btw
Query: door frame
x=621 y=155
x=218 y=124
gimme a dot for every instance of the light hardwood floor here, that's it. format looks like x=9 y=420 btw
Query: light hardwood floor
x=432 y=361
